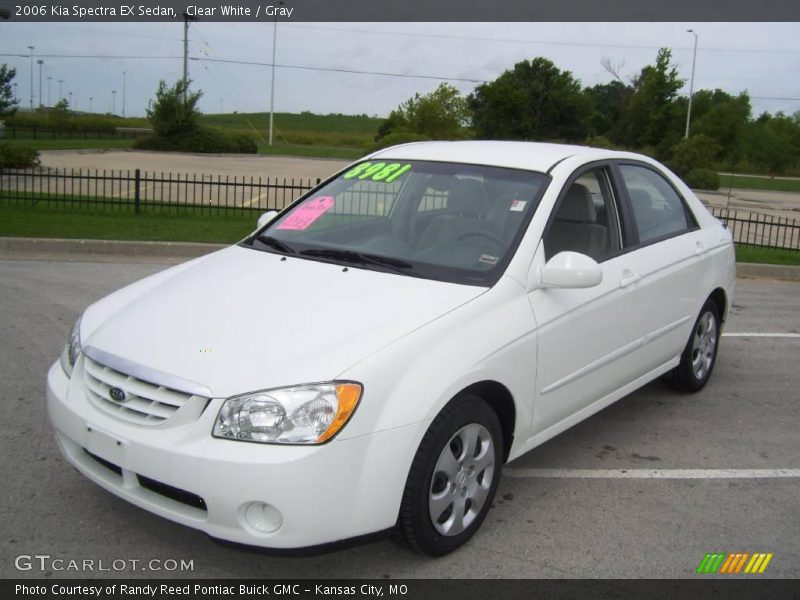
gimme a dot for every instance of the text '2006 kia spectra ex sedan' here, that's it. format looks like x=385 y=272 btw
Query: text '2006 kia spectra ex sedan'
x=373 y=354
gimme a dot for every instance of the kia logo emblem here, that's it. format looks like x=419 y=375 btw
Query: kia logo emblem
x=117 y=395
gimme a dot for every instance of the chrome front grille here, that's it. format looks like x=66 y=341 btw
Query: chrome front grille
x=144 y=403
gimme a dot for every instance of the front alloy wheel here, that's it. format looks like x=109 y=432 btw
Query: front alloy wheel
x=452 y=479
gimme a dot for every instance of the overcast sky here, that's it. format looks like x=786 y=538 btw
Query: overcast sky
x=763 y=59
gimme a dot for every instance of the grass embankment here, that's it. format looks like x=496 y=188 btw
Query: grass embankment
x=306 y=134
x=759 y=183
x=91 y=223
x=769 y=256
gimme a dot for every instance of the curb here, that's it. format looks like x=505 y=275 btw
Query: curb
x=171 y=252
x=759 y=271
x=102 y=250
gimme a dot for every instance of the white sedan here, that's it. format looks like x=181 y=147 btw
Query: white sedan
x=371 y=356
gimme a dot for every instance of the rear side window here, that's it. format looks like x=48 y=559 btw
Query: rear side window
x=658 y=210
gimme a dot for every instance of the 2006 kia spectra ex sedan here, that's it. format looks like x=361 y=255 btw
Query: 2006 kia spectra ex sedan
x=371 y=356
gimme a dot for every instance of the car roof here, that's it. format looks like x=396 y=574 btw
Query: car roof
x=534 y=156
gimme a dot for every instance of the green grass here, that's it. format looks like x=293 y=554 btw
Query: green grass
x=334 y=123
x=759 y=183
x=90 y=223
x=769 y=256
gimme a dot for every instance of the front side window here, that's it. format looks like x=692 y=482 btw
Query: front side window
x=446 y=221
x=585 y=219
x=658 y=210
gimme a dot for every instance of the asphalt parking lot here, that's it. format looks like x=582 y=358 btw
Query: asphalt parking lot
x=568 y=509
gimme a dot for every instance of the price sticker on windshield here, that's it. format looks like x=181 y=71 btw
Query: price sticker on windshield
x=308 y=212
x=380 y=171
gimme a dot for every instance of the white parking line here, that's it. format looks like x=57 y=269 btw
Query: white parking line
x=651 y=473
x=764 y=335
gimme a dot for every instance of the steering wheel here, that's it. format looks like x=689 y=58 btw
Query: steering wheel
x=484 y=234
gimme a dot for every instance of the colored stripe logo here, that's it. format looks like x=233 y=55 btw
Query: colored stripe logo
x=734 y=563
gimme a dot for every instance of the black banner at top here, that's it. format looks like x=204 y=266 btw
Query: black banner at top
x=401 y=10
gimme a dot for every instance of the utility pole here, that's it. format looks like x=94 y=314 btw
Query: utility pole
x=691 y=83
x=113 y=101
x=186 y=19
x=123 y=93
x=31 y=49
x=40 y=62
x=272 y=85
x=49 y=97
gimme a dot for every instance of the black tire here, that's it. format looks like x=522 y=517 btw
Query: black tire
x=467 y=420
x=700 y=354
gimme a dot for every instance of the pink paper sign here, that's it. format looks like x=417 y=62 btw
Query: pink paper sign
x=302 y=217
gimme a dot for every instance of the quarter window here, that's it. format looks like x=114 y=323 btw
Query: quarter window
x=658 y=210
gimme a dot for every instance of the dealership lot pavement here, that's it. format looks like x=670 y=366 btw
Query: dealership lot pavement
x=568 y=509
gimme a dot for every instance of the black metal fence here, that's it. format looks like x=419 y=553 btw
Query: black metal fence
x=159 y=192
x=143 y=191
x=756 y=229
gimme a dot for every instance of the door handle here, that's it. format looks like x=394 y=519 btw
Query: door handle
x=629 y=277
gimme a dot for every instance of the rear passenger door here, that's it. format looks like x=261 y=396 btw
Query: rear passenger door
x=665 y=252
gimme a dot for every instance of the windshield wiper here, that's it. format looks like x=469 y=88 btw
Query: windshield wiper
x=275 y=243
x=349 y=256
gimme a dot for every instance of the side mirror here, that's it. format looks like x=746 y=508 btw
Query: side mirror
x=571 y=270
x=266 y=218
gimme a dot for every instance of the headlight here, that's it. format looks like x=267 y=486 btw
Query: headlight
x=72 y=349
x=303 y=414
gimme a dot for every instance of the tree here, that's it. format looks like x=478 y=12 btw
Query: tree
x=174 y=113
x=442 y=114
x=650 y=116
x=697 y=152
x=723 y=118
x=8 y=104
x=533 y=101
x=610 y=102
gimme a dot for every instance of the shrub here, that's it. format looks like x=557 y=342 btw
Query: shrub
x=203 y=139
x=398 y=137
x=702 y=179
x=18 y=157
x=699 y=152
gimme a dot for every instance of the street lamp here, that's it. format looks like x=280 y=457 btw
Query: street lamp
x=113 y=101
x=70 y=101
x=123 y=93
x=272 y=86
x=16 y=95
x=60 y=93
x=31 y=49
x=40 y=62
x=49 y=97
x=691 y=83
x=90 y=103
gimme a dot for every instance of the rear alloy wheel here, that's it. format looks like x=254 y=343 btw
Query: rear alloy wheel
x=453 y=478
x=700 y=354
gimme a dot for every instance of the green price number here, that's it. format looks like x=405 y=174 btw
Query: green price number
x=377 y=171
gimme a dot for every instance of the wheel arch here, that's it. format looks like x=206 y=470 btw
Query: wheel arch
x=499 y=398
x=720 y=298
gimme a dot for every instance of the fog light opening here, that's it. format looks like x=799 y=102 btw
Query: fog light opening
x=263 y=517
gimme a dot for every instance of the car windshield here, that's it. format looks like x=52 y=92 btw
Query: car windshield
x=451 y=222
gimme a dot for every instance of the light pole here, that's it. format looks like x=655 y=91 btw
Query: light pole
x=272 y=85
x=123 y=93
x=113 y=101
x=40 y=62
x=70 y=101
x=90 y=104
x=16 y=95
x=60 y=93
x=691 y=83
x=49 y=97
x=31 y=49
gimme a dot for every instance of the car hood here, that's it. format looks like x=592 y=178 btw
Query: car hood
x=242 y=320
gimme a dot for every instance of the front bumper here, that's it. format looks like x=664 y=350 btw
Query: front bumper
x=322 y=494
